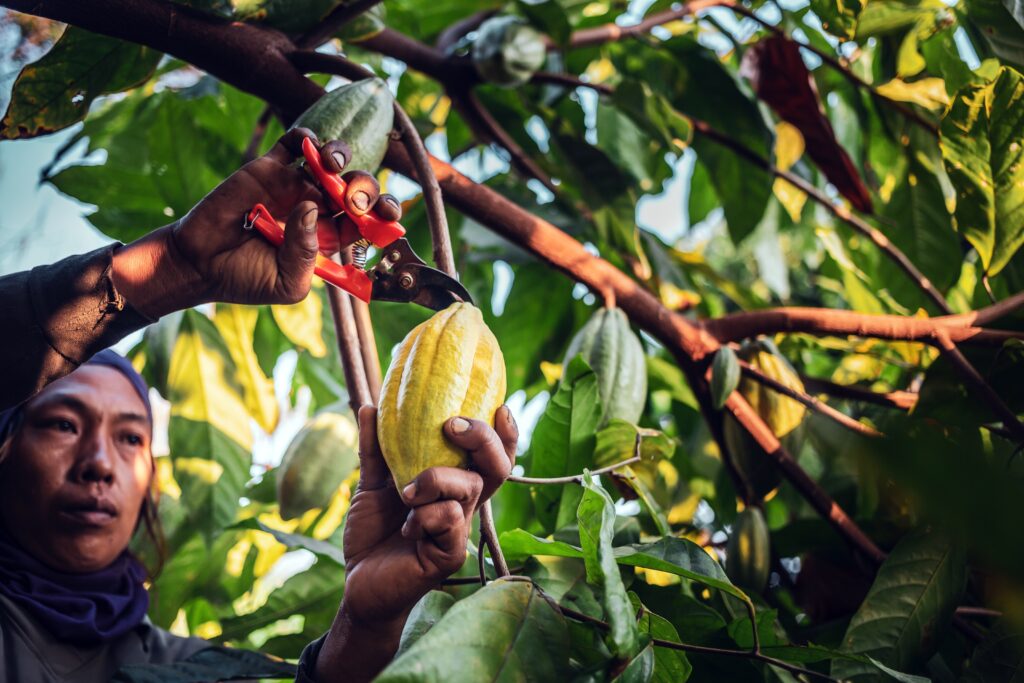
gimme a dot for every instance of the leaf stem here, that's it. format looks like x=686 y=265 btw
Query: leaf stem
x=573 y=478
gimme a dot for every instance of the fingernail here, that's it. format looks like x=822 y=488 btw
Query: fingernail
x=459 y=425
x=361 y=200
x=409 y=492
x=339 y=159
x=511 y=420
x=309 y=221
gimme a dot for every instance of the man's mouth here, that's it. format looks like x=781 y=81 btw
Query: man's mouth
x=95 y=512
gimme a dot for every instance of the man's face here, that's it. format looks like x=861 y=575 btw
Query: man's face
x=73 y=484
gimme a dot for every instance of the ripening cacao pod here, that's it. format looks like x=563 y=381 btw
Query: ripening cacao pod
x=449 y=365
x=360 y=114
x=782 y=414
x=748 y=557
x=507 y=51
x=616 y=356
x=322 y=454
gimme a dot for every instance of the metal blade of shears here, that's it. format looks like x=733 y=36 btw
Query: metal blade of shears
x=402 y=276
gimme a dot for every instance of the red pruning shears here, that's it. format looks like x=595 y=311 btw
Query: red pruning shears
x=400 y=275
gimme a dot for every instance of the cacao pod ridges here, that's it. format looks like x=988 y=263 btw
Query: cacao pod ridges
x=748 y=553
x=448 y=366
x=616 y=356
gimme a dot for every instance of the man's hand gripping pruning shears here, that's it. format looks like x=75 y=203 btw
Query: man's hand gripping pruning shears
x=399 y=275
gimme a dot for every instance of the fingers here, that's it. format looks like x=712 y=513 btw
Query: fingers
x=388 y=208
x=288 y=147
x=362 y=192
x=334 y=155
x=441 y=530
x=445 y=483
x=492 y=457
x=373 y=471
x=297 y=256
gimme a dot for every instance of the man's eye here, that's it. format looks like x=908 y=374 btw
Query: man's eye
x=133 y=439
x=62 y=426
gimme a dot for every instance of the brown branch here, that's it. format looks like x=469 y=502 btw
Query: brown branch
x=339 y=16
x=258 y=132
x=973 y=377
x=808 y=488
x=489 y=534
x=840 y=211
x=349 y=349
x=444 y=259
x=839 y=323
x=901 y=400
x=810 y=402
x=368 y=348
x=702 y=649
x=598 y=35
x=454 y=33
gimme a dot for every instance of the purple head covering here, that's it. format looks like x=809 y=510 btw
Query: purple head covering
x=83 y=609
x=11 y=418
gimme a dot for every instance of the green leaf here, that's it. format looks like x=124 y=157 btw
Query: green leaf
x=997 y=658
x=670 y=666
x=725 y=376
x=838 y=17
x=427 y=612
x=56 y=91
x=237 y=326
x=505 y=631
x=209 y=664
x=317 y=588
x=563 y=443
x=209 y=433
x=597 y=526
x=292 y=541
x=998 y=28
x=908 y=608
x=983 y=147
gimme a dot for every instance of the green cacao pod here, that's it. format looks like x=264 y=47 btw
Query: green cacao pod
x=748 y=556
x=782 y=414
x=507 y=51
x=322 y=454
x=360 y=114
x=615 y=354
x=449 y=365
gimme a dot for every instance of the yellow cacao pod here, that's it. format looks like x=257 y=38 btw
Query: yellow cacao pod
x=317 y=460
x=448 y=365
x=781 y=413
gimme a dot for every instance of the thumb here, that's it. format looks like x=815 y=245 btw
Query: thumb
x=373 y=471
x=297 y=256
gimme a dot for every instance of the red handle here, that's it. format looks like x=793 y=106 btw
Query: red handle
x=353 y=280
x=378 y=231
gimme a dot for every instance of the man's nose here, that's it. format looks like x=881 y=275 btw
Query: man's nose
x=95 y=459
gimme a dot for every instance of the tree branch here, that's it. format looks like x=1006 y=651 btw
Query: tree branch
x=574 y=478
x=829 y=322
x=811 y=402
x=339 y=16
x=901 y=400
x=840 y=211
x=973 y=377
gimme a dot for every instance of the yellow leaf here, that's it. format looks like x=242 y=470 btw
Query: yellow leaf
x=303 y=323
x=789 y=145
x=201 y=382
x=929 y=93
x=600 y=70
x=237 y=325
x=552 y=371
x=675 y=298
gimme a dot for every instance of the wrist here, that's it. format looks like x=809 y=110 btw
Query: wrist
x=151 y=274
x=358 y=649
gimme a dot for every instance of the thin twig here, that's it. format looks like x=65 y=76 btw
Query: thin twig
x=900 y=400
x=810 y=401
x=978 y=612
x=349 y=349
x=481 y=561
x=368 y=347
x=487 y=128
x=702 y=649
x=574 y=478
x=840 y=211
x=258 y=133
x=968 y=371
x=339 y=16
x=489 y=534
x=598 y=35
x=436 y=216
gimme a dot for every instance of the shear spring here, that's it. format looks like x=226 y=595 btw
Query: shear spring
x=359 y=252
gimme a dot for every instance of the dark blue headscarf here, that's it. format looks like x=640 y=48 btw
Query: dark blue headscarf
x=83 y=609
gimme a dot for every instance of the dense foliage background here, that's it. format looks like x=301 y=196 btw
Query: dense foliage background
x=909 y=117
